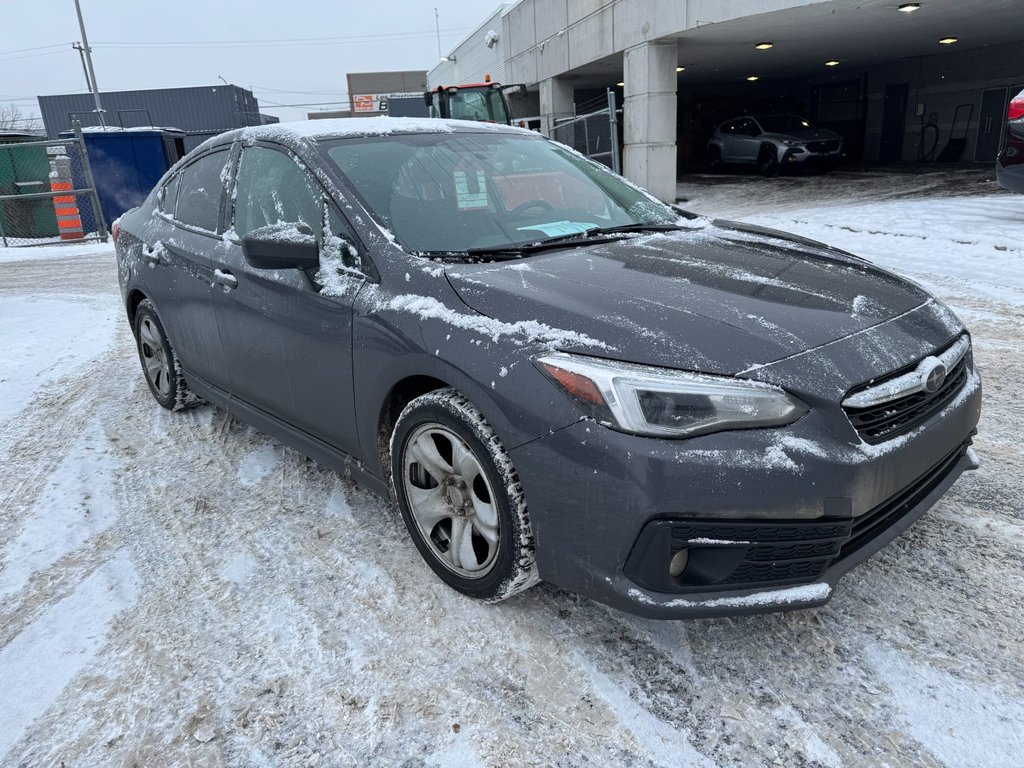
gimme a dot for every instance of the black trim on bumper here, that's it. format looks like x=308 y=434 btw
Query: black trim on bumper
x=727 y=555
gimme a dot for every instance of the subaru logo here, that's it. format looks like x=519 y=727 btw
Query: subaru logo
x=932 y=376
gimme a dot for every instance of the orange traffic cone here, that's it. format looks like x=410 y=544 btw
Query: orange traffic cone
x=69 y=222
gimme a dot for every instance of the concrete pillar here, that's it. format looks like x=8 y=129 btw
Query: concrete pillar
x=556 y=100
x=649 y=114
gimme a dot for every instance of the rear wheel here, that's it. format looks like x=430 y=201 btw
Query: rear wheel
x=461 y=498
x=159 y=361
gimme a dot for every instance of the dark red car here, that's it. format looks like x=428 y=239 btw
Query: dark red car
x=1010 y=161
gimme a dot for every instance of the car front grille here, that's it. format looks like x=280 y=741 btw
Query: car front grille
x=823 y=146
x=732 y=555
x=884 y=421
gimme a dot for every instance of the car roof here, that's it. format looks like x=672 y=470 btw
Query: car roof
x=304 y=131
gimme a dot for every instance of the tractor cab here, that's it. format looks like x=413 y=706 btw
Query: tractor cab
x=484 y=102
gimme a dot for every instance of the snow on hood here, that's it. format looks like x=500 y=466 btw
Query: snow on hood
x=518 y=331
x=713 y=299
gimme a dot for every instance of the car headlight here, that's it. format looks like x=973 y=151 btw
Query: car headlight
x=661 y=402
x=791 y=143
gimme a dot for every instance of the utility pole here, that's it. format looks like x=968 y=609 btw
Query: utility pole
x=90 y=72
x=81 y=54
x=437 y=26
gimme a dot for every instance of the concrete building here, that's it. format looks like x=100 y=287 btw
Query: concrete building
x=874 y=70
x=481 y=53
x=200 y=111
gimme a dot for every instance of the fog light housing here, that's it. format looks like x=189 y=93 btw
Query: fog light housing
x=677 y=564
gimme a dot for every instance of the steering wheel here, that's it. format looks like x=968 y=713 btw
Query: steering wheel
x=543 y=205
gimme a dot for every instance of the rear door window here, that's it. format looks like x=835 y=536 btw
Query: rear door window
x=747 y=127
x=199 y=192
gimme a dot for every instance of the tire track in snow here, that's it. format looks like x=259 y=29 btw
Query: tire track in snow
x=44 y=658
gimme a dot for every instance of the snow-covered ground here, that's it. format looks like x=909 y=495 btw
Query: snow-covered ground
x=179 y=589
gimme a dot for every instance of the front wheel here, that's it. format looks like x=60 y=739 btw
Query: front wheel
x=768 y=163
x=460 y=497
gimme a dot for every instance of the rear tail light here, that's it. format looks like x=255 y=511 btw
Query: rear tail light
x=1016 y=110
x=115 y=230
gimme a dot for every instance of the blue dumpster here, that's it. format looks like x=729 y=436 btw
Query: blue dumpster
x=127 y=163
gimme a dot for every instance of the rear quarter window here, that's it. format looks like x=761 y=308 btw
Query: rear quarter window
x=168 y=195
x=200 y=191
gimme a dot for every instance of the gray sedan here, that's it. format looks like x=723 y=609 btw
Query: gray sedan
x=555 y=375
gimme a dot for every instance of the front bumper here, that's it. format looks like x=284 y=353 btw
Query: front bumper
x=772 y=517
x=790 y=156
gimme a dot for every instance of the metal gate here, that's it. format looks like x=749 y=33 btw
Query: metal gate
x=47 y=193
x=594 y=134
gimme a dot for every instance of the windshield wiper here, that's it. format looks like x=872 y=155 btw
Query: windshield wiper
x=636 y=228
x=588 y=236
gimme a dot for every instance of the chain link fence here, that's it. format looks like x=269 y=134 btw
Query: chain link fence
x=47 y=193
x=594 y=134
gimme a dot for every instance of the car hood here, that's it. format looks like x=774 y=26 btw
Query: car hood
x=719 y=298
x=809 y=134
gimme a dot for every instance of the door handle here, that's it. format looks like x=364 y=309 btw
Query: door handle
x=151 y=255
x=225 y=279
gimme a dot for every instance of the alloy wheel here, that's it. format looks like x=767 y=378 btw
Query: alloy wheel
x=451 y=500
x=154 y=357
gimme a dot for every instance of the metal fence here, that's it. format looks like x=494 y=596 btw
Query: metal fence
x=594 y=134
x=47 y=193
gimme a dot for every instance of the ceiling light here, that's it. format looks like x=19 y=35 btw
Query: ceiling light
x=832 y=63
x=621 y=85
x=947 y=40
x=752 y=78
x=909 y=7
x=680 y=69
x=764 y=46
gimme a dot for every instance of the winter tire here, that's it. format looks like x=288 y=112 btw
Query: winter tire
x=768 y=163
x=159 y=361
x=461 y=498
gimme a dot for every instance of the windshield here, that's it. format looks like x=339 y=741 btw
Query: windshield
x=783 y=123
x=477 y=104
x=452 y=192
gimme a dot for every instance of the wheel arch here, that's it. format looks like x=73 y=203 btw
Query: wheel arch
x=397 y=397
x=383 y=398
x=132 y=301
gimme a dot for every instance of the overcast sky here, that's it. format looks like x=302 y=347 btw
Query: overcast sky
x=147 y=44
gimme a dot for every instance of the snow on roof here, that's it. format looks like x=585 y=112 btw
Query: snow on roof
x=26 y=133
x=369 y=126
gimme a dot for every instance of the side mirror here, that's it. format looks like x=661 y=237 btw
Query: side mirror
x=519 y=88
x=288 y=245
x=428 y=97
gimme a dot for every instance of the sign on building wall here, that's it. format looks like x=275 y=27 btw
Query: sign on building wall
x=378 y=102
